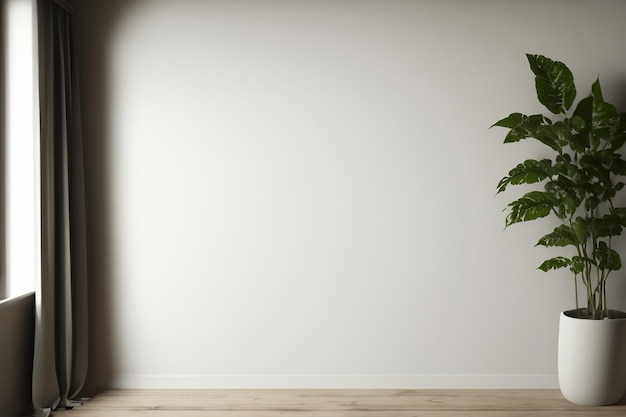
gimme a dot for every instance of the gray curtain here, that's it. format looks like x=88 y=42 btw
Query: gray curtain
x=60 y=362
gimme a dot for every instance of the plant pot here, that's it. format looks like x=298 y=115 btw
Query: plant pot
x=592 y=359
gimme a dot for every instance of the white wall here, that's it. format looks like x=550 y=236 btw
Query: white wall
x=301 y=194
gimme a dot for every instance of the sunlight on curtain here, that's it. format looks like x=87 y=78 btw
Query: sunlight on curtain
x=21 y=150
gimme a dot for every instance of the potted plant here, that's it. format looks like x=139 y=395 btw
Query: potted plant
x=580 y=184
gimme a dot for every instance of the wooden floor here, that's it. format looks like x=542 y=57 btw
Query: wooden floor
x=335 y=403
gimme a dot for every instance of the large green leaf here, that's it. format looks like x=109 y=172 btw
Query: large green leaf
x=562 y=130
x=530 y=206
x=618 y=135
x=545 y=132
x=528 y=172
x=608 y=225
x=511 y=121
x=614 y=262
x=555 y=263
x=534 y=126
x=581 y=229
x=618 y=166
x=514 y=122
x=620 y=213
x=604 y=116
x=579 y=263
x=565 y=169
x=581 y=123
x=607 y=258
x=566 y=196
x=596 y=161
x=597 y=174
x=554 y=83
x=562 y=235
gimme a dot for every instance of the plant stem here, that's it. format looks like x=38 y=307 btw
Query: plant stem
x=576 y=289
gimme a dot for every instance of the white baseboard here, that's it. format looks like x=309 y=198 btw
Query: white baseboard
x=332 y=382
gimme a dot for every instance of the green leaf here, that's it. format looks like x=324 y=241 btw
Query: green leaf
x=581 y=122
x=615 y=261
x=578 y=124
x=604 y=116
x=534 y=126
x=608 y=225
x=581 y=229
x=620 y=213
x=618 y=166
x=597 y=166
x=565 y=193
x=528 y=172
x=607 y=258
x=579 y=263
x=562 y=235
x=567 y=205
x=545 y=133
x=563 y=131
x=565 y=169
x=514 y=122
x=555 y=263
x=511 y=121
x=594 y=161
x=618 y=133
x=531 y=206
x=554 y=83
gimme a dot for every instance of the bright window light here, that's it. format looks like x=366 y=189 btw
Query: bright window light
x=21 y=163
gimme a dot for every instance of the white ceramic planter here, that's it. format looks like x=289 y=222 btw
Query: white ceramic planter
x=592 y=360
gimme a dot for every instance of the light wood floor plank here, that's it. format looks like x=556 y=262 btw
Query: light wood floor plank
x=336 y=403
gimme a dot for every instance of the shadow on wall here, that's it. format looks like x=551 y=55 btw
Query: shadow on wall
x=94 y=24
x=617 y=281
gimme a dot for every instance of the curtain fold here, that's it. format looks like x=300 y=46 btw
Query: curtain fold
x=60 y=362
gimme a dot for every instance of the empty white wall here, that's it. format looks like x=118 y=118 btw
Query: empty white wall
x=301 y=194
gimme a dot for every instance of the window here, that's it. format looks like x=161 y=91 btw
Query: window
x=21 y=167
